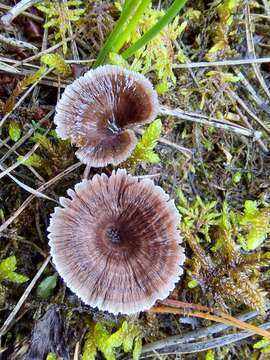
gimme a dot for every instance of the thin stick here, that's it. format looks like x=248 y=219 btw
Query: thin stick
x=25 y=137
x=77 y=351
x=23 y=240
x=17 y=43
x=40 y=178
x=196 y=334
x=229 y=92
x=248 y=87
x=267 y=7
x=224 y=125
x=188 y=348
x=27 y=92
x=41 y=188
x=149 y=176
x=19 y=162
x=73 y=44
x=73 y=61
x=7 y=68
x=24 y=296
x=26 y=187
x=47 y=80
x=17 y=10
x=203 y=64
x=43 y=47
x=245 y=120
x=246 y=108
x=17 y=62
x=239 y=324
x=47 y=51
x=24 y=13
x=183 y=305
x=251 y=49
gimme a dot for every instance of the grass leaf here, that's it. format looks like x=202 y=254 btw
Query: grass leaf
x=165 y=20
x=128 y=12
x=14 y=131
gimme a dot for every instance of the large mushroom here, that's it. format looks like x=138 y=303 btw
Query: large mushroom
x=116 y=244
x=98 y=110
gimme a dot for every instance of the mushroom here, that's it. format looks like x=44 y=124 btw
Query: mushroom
x=98 y=110
x=116 y=244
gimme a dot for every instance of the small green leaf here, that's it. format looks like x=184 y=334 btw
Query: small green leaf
x=107 y=343
x=261 y=343
x=2 y=215
x=266 y=350
x=90 y=346
x=17 y=278
x=192 y=284
x=237 y=177
x=14 y=131
x=131 y=332
x=51 y=23
x=137 y=348
x=45 y=288
x=144 y=149
x=7 y=271
x=34 y=160
x=44 y=141
x=151 y=157
x=116 y=339
x=257 y=222
x=51 y=356
x=162 y=87
x=210 y=355
x=56 y=62
x=7 y=266
x=101 y=335
x=250 y=207
x=43 y=8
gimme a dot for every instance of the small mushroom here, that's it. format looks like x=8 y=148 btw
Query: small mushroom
x=98 y=109
x=116 y=244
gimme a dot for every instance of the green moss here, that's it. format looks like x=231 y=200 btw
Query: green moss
x=99 y=338
x=225 y=274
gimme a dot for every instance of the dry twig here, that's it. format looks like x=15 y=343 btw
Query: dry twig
x=32 y=197
x=17 y=10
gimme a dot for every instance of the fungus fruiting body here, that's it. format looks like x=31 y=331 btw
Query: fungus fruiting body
x=115 y=242
x=98 y=110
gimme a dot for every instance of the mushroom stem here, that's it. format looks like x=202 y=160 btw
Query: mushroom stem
x=113 y=126
x=113 y=235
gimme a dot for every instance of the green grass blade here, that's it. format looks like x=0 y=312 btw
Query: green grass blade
x=165 y=20
x=131 y=25
x=126 y=3
x=128 y=11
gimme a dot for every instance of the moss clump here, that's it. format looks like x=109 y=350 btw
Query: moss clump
x=226 y=275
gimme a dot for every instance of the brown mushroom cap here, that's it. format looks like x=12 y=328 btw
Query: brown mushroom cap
x=116 y=244
x=97 y=110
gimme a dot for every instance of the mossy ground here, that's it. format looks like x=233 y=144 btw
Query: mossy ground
x=217 y=165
